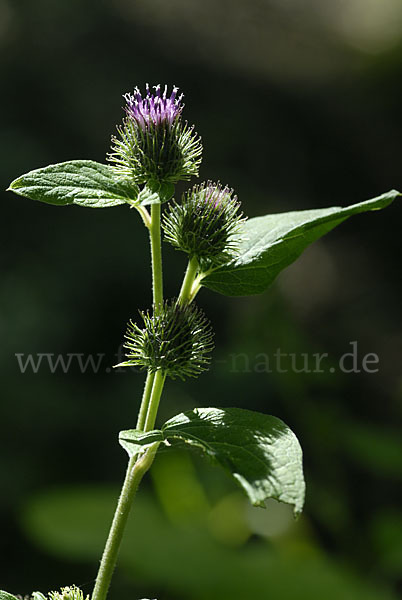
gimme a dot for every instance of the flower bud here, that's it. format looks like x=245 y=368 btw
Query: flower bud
x=176 y=340
x=204 y=224
x=68 y=593
x=153 y=143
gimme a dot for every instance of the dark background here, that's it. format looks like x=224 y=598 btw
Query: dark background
x=299 y=106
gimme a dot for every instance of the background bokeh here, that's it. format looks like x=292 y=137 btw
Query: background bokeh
x=299 y=106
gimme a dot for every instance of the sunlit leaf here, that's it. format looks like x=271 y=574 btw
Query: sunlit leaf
x=82 y=182
x=260 y=452
x=269 y=244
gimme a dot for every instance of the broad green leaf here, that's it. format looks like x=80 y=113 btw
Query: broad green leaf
x=271 y=243
x=260 y=451
x=155 y=193
x=82 y=182
x=6 y=596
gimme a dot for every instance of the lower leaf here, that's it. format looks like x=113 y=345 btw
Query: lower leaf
x=260 y=451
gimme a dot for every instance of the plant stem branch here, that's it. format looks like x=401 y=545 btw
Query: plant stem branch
x=157 y=388
x=154 y=226
x=144 y=215
x=135 y=471
x=156 y=256
x=142 y=415
x=138 y=465
x=195 y=289
x=188 y=281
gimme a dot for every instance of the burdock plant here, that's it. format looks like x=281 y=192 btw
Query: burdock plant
x=153 y=150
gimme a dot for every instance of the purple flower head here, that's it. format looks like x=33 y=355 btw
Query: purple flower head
x=154 y=143
x=154 y=108
x=215 y=195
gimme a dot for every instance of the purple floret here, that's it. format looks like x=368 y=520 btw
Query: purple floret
x=155 y=108
x=215 y=195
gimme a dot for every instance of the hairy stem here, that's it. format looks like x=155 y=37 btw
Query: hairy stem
x=137 y=466
x=157 y=388
x=154 y=226
x=156 y=256
x=144 y=216
x=188 y=281
x=135 y=471
x=195 y=289
x=142 y=415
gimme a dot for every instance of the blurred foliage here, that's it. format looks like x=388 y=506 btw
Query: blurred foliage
x=298 y=105
x=191 y=555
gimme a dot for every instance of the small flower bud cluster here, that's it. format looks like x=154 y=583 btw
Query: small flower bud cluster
x=66 y=593
x=204 y=224
x=176 y=340
x=155 y=147
x=153 y=142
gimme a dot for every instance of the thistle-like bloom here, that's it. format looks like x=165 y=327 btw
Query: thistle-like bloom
x=155 y=108
x=205 y=224
x=177 y=341
x=153 y=143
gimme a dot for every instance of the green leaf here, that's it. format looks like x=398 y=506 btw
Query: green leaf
x=6 y=596
x=260 y=451
x=82 y=182
x=271 y=243
x=156 y=193
x=133 y=439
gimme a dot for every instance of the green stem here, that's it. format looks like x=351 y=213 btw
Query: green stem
x=187 y=285
x=135 y=471
x=195 y=289
x=144 y=216
x=157 y=388
x=156 y=255
x=154 y=226
x=142 y=415
x=137 y=466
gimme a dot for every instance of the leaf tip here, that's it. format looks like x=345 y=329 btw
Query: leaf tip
x=13 y=186
x=297 y=511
